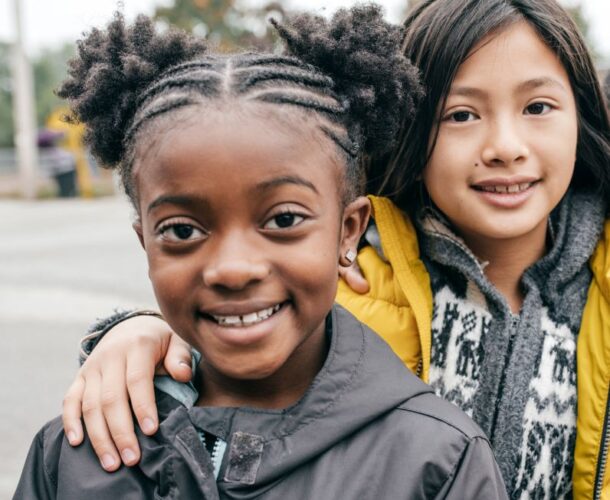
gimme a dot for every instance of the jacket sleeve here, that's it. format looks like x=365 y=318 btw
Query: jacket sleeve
x=384 y=308
x=36 y=483
x=476 y=476
x=101 y=327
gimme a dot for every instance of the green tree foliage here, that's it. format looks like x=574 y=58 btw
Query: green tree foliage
x=227 y=23
x=49 y=69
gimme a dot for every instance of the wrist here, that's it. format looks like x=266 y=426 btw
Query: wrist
x=98 y=330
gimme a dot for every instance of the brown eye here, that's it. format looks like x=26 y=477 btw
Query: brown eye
x=283 y=221
x=461 y=116
x=537 y=108
x=183 y=231
x=180 y=232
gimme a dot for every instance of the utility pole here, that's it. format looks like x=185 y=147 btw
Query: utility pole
x=24 y=112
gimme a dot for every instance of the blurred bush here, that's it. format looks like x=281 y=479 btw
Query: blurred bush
x=227 y=23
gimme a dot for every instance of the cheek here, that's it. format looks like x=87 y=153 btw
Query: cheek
x=558 y=156
x=172 y=281
x=314 y=268
x=450 y=163
x=439 y=174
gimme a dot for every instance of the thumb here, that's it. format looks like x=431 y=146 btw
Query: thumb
x=178 y=360
x=354 y=278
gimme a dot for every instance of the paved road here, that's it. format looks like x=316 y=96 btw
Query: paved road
x=62 y=263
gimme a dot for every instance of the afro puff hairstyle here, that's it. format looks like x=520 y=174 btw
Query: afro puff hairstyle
x=348 y=72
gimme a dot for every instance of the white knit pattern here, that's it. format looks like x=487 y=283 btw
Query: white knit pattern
x=457 y=328
x=546 y=458
x=550 y=418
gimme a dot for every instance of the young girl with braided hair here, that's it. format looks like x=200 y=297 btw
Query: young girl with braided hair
x=245 y=172
x=488 y=267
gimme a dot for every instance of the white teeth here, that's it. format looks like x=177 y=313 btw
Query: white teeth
x=229 y=320
x=513 y=188
x=247 y=319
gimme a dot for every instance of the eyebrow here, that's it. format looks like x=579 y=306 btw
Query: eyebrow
x=534 y=83
x=544 y=81
x=176 y=199
x=286 y=179
x=189 y=200
x=467 y=92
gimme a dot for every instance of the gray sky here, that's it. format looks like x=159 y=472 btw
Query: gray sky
x=48 y=23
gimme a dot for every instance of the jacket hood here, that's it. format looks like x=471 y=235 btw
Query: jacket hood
x=360 y=381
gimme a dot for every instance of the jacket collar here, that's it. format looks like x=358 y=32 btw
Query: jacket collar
x=574 y=226
x=360 y=381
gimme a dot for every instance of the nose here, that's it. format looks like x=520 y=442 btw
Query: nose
x=233 y=264
x=505 y=143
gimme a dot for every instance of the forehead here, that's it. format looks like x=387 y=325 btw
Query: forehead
x=220 y=149
x=511 y=56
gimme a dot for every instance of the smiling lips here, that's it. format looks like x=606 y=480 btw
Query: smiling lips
x=236 y=321
x=504 y=188
x=506 y=193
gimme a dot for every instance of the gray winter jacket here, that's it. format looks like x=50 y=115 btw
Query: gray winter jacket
x=366 y=429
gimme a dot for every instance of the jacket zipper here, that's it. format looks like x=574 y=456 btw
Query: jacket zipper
x=602 y=459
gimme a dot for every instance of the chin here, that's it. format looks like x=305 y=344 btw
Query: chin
x=507 y=228
x=249 y=371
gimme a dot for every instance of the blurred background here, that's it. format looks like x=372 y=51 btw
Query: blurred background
x=67 y=252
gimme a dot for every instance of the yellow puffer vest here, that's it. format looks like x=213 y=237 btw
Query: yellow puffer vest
x=399 y=307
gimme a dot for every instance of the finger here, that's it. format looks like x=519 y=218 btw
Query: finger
x=117 y=411
x=177 y=361
x=71 y=412
x=354 y=278
x=140 y=373
x=97 y=431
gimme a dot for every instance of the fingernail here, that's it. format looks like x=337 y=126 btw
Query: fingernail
x=71 y=437
x=107 y=461
x=148 y=425
x=184 y=363
x=128 y=455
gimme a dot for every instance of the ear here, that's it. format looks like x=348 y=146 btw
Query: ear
x=355 y=219
x=137 y=227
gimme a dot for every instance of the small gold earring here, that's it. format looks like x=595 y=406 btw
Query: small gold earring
x=350 y=256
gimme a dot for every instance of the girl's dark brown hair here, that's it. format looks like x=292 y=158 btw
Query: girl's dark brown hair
x=439 y=35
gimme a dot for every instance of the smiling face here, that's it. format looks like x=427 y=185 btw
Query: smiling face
x=507 y=139
x=243 y=226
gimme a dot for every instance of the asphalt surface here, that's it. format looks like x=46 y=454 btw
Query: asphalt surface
x=62 y=264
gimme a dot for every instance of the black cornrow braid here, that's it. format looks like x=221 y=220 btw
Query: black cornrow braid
x=305 y=101
x=348 y=73
x=161 y=108
x=300 y=76
x=209 y=64
x=291 y=81
x=350 y=147
x=270 y=79
x=206 y=84
x=269 y=59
